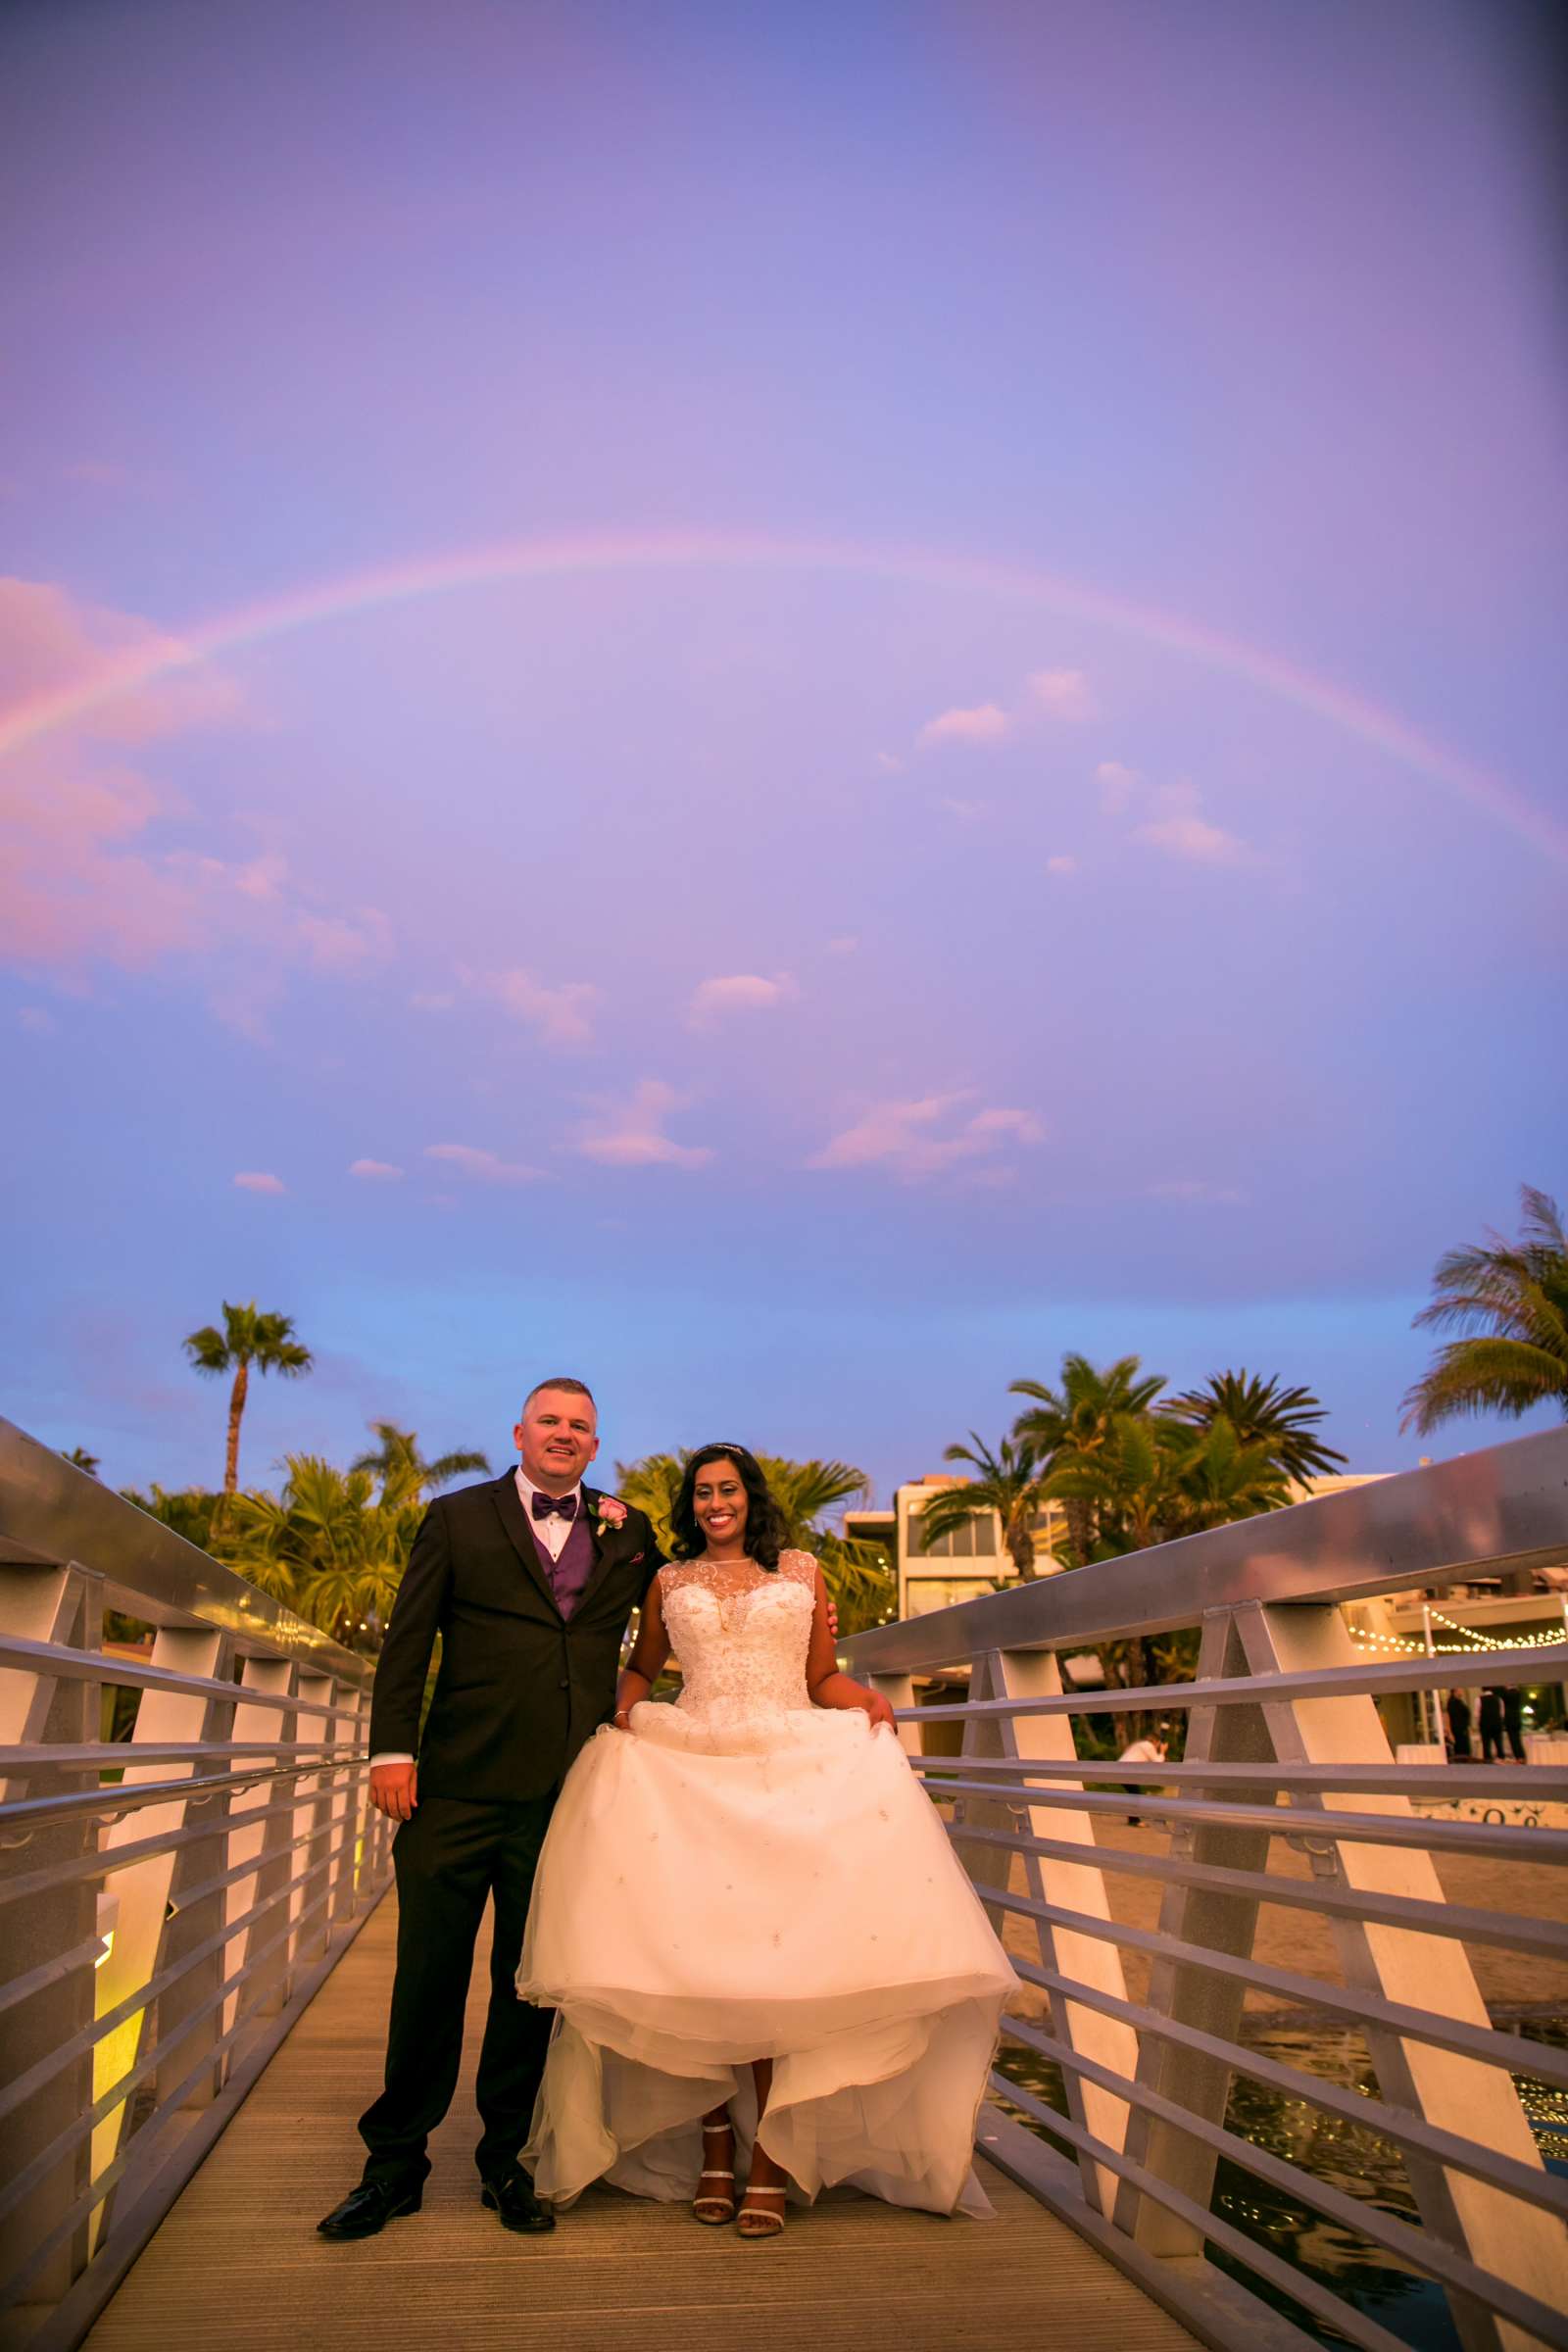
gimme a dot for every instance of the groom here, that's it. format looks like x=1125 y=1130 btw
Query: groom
x=529 y=1580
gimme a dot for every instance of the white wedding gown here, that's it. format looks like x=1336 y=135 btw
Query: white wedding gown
x=746 y=1876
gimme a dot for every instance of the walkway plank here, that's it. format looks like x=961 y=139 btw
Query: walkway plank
x=238 y=2264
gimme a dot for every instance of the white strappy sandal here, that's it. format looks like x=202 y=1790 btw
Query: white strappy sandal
x=762 y=2220
x=715 y=2209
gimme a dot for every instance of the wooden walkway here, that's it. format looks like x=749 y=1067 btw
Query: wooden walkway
x=237 y=2266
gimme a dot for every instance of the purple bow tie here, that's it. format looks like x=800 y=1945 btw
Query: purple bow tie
x=546 y=1505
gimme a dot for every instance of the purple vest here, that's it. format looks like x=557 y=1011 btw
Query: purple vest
x=569 y=1576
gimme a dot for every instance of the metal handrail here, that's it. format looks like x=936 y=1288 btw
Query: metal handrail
x=1285 y=1750
x=1290 y=1822
x=1422 y=2249
x=1489 y=1512
x=247 y=1768
x=1546 y=1664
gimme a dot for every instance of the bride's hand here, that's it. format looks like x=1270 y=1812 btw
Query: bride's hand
x=880 y=1710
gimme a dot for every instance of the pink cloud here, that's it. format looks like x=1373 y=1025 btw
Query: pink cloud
x=485 y=1168
x=630 y=1134
x=75 y=884
x=257 y=1180
x=1063 y=693
x=1181 y=831
x=925 y=1137
x=344 y=943
x=985 y=722
x=563 y=1015
x=740 y=992
x=375 y=1171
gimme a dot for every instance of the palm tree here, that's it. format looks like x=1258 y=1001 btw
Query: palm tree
x=327 y=1545
x=401 y=1467
x=1510 y=1301
x=81 y=1459
x=855 y=1574
x=190 y=1512
x=1075 y=1423
x=1156 y=1478
x=1226 y=1475
x=1261 y=1412
x=247 y=1337
x=1009 y=1482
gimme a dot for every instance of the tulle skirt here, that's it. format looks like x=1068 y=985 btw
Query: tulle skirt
x=713 y=1891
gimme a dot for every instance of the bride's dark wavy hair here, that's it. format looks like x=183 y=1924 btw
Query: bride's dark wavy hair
x=766 y=1528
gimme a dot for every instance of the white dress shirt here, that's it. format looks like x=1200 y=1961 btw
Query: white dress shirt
x=550 y=1533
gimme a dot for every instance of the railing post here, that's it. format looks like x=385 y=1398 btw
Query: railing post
x=347 y=1848
x=1072 y=1887
x=61 y=1605
x=1079 y=1886
x=257 y=1842
x=141 y=1892
x=1502 y=2233
x=1192 y=1996
x=317 y=1806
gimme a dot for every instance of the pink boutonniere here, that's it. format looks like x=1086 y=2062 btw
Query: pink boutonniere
x=609 y=1512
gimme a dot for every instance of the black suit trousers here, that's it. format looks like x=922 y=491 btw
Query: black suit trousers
x=451 y=1857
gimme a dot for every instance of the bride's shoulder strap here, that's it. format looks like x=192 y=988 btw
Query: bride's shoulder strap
x=801 y=1565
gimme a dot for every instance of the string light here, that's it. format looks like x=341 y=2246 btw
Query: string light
x=1472 y=1643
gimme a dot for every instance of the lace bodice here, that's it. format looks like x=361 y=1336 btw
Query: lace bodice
x=740 y=1633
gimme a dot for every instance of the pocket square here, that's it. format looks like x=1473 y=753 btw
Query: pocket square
x=635 y=1559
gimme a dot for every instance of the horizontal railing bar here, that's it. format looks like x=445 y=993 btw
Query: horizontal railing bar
x=122 y=1754
x=1316 y=1822
x=108 y=1861
x=1512 y=1932
x=190 y=1896
x=98 y=2188
x=1406 y=2129
x=134 y=1797
x=82 y=2126
x=96 y=1666
x=1547 y=1664
x=1421 y=2248
x=1301 y=2286
x=1218 y=2309
x=16 y=2094
x=1542 y=1782
x=156 y=2180
x=164 y=2163
x=49 y=1971
x=1355 y=2004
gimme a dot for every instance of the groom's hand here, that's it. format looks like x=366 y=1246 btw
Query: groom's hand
x=395 y=1789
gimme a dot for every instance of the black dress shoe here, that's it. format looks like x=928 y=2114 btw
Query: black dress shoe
x=369 y=2206
x=513 y=2199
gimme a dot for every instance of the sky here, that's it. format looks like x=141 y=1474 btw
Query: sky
x=788 y=707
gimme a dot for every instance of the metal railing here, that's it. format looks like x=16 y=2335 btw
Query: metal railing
x=169 y=1902
x=1286 y=1761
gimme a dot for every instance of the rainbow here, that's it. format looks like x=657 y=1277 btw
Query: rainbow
x=583 y=554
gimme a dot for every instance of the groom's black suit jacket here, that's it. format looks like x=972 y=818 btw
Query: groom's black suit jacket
x=521 y=1687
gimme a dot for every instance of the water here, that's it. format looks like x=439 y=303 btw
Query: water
x=1342 y=2155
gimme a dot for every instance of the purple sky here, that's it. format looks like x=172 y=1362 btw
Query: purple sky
x=803 y=995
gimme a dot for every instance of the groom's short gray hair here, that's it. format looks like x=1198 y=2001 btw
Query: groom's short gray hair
x=571 y=1387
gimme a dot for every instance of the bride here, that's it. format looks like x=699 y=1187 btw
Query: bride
x=747 y=1912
